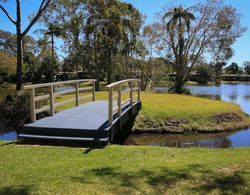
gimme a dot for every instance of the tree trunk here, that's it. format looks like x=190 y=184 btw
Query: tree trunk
x=19 y=38
x=52 y=45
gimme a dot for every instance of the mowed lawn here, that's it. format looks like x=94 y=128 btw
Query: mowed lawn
x=189 y=113
x=31 y=169
x=179 y=113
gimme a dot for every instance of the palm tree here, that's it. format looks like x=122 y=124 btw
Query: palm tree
x=179 y=19
x=53 y=31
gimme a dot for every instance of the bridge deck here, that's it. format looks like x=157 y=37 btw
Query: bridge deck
x=89 y=116
x=93 y=121
x=87 y=122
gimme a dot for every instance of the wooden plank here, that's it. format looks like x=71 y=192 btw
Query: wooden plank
x=51 y=98
x=123 y=81
x=64 y=102
x=125 y=102
x=115 y=110
x=85 y=88
x=93 y=91
x=85 y=97
x=64 y=92
x=125 y=90
x=45 y=108
x=131 y=93
x=135 y=97
x=115 y=96
x=32 y=105
x=56 y=83
x=41 y=97
x=119 y=100
x=77 y=94
x=110 y=111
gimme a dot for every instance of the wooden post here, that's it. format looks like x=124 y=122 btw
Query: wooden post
x=93 y=83
x=51 y=98
x=32 y=105
x=111 y=106
x=119 y=100
x=139 y=91
x=131 y=92
x=77 y=94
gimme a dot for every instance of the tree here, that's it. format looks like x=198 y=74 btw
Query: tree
x=246 y=66
x=21 y=34
x=54 y=31
x=7 y=67
x=214 y=30
x=233 y=68
x=180 y=19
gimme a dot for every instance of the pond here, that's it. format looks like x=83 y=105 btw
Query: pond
x=237 y=92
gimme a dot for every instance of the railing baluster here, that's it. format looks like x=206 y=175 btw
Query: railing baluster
x=51 y=97
x=110 y=106
x=32 y=105
x=119 y=100
x=93 y=83
x=131 y=93
x=77 y=94
x=139 y=91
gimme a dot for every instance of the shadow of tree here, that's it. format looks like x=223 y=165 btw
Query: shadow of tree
x=233 y=184
x=16 y=190
x=162 y=179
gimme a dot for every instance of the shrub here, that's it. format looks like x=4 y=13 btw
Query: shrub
x=14 y=111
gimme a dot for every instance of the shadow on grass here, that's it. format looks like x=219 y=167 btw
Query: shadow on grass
x=192 y=178
x=75 y=144
x=16 y=190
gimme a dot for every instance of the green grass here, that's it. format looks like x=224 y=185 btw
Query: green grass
x=116 y=169
x=186 y=113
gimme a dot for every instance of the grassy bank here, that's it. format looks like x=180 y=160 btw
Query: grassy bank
x=178 y=113
x=163 y=112
x=115 y=169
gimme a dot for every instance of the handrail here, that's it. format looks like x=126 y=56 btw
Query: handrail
x=52 y=94
x=57 y=83
x=122 y=81
x=118 y=94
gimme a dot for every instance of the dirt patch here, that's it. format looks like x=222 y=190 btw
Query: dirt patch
x=175 y=123
x=229 y=169
x=226 y=117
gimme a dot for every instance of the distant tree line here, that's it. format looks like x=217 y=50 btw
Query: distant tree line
x=108 y=40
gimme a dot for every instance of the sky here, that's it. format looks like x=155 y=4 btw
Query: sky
x=148 y=8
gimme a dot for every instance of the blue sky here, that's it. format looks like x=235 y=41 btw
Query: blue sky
x=149 y=8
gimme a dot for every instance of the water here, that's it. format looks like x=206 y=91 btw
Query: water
x=7 y=135
x=238 y=93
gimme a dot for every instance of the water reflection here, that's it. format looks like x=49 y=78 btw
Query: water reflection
x=237 y=93
x=218 y=140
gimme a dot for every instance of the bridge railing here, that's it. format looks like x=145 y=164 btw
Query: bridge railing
x=52 y=94
x=116 y=90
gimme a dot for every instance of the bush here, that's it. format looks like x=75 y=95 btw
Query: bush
x=14 y=111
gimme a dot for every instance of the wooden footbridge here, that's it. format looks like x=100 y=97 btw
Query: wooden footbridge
x=94 y=121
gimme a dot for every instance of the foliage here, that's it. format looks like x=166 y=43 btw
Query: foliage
x=14 y=111
x=218 y=68
x=123 y=170
x=7 y=67
x=20 y=34
x=233 y=68
x=96 y=33
x=246 y=66
x=207 y=28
